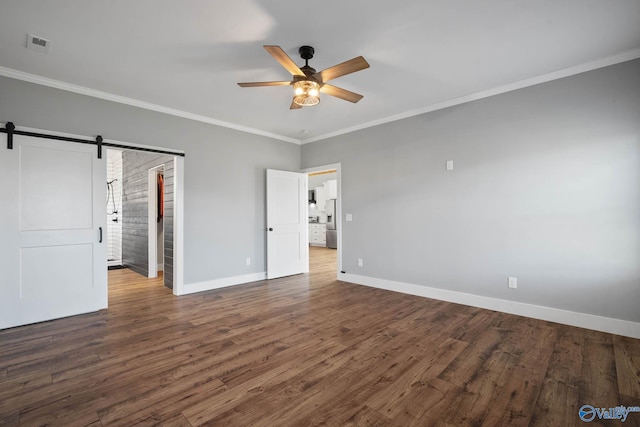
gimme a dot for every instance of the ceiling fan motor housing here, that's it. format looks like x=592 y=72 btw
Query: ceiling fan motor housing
x=306 y=52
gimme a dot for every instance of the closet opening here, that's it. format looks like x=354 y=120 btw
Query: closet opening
x=155 y=220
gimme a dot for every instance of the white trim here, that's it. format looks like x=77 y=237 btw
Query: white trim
x=69 y=87
x=554 y=75
x=190 y=288
x=581 y=320
x=178 y=225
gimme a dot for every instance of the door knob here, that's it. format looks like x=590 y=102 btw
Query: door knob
x=270 y=229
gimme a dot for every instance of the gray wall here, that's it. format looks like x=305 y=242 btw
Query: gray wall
x=224 y=193
x=546 y=187
x=135 y=214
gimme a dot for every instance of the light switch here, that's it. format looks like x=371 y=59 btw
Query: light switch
x=449 y=165
x=349 y=217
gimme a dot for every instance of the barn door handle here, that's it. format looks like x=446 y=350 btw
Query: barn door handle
x=100 y=238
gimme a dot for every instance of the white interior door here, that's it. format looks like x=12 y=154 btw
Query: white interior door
x=53 y=260
x=287 y=230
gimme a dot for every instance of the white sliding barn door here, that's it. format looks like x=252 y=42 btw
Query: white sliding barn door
x=287 y=229
x=52 y=262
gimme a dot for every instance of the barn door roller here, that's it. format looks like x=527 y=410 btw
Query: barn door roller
x=10 y=127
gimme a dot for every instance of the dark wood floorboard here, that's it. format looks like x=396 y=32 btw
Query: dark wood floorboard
x=306 y=350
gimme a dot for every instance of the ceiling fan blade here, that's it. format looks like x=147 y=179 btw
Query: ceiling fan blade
x=347 y=67
x=284 y=60
x=341 y=93
x=256 y=84
x=294 y=106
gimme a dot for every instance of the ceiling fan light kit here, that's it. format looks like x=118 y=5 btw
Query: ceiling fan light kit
x=306 y=93
x=307 y=83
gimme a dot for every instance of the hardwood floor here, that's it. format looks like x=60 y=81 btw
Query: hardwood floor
x=307 y=350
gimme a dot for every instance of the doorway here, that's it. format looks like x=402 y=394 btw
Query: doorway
x=114 y=209
x=155 y=221
x=148 y=214
x=325 y=222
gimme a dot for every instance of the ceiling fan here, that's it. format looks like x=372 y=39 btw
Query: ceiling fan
x=307 y=83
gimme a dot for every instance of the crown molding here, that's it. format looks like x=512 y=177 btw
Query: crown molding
x=57 y=84
x=554 y=75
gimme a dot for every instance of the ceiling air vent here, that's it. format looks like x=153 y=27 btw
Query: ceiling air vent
x=38 y=43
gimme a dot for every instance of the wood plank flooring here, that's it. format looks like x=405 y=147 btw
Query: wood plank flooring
x=307 y=350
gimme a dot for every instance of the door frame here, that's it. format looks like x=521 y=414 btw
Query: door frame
x=338 y=168
x=178 y=225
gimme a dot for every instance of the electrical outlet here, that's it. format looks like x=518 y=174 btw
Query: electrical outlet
x=248 y=261
x=360 y=263
x=449 y=165
x=513 y=282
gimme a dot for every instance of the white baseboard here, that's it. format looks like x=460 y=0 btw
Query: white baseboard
x=190 y=288
x=582 y=320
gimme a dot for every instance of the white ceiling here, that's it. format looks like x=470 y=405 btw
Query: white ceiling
x=185 y=57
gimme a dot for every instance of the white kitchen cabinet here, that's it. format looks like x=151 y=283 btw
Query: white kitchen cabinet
x=321 y=198
x=331 y=189
x=318 y=234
